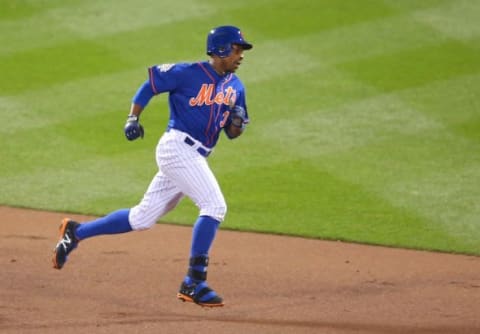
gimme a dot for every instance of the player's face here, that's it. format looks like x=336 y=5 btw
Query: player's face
x=232 y=62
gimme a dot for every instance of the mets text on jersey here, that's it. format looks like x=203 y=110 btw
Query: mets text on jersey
x=205 y=94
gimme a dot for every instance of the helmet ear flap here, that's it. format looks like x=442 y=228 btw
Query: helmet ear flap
x=224 y=50
x=217 y=45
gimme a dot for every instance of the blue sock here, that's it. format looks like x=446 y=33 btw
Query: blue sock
x=113 y=223
x=204 y=232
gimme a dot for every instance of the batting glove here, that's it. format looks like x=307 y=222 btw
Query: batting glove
x=133 y=129
x=238 y=117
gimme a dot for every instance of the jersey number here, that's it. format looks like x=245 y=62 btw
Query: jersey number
x=225 y=117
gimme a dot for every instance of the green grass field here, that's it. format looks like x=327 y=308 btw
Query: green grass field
x=365 y=114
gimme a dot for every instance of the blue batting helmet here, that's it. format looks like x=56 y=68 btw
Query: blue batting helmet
x=220 y=40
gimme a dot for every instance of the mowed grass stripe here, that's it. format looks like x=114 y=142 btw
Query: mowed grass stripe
x=318 y=50
x=93 y=136
x=453 y=102
x=430 y=173
x=314 y=59
x=461 y=23
x=299 y=18
x=28 y=25
x=410 y=68
x=432 y=179
x=91 y=19
x=108 y=48
x=51 y=23
x=384 y=142
x=353 y=106
x=366 y=39
x=439 y=62
x=80 y=183
x=62 y=63
x=347 y=127
x=342 y=210
x=66 y=101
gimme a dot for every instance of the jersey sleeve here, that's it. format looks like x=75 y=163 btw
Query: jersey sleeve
x=144 y=94
x=164 y=78
x=242 y=103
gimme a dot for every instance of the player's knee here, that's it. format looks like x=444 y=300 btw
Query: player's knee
x=217 y=211
x=140 y=219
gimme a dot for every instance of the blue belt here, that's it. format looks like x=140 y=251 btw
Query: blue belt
x=201 y=150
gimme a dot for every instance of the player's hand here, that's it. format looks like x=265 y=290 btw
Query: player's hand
x=236 y=122
x=133 y=129
x=238 y=117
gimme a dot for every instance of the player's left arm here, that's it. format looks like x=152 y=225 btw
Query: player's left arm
x=133 y=129
x=161 y=78
x=237 y=122
x=238 y=115
x=233 y=132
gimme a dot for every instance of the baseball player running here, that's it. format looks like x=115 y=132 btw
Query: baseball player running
x=204 y=98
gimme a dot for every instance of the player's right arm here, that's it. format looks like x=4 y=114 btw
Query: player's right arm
x=161 y=78
x=133 y=129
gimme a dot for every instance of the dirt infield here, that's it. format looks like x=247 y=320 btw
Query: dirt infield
x=271 y=284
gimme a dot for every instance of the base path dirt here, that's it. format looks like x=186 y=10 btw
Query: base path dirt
x=271 y=284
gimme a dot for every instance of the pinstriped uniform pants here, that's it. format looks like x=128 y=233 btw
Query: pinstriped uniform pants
x=182 y=171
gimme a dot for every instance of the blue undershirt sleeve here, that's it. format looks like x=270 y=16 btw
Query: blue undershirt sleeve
x=144 y=94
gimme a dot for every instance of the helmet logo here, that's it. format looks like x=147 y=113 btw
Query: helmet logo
x=165 y=67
